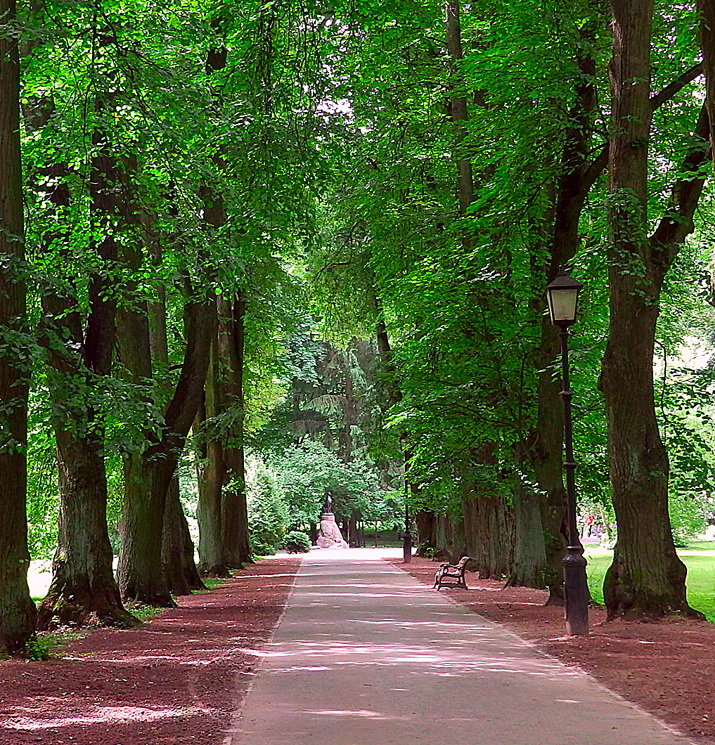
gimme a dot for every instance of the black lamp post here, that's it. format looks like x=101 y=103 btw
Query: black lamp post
x=407 y=539
x=562 y=295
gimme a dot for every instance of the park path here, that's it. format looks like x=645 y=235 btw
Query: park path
x=366 y=655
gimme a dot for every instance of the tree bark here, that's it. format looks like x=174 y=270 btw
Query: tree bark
x=211 y=476
x=458 y=106
x=489 y=534
x=527 y=569
x=646 y=577
x=177 y=548
x=580 y=170
x=235 y=545
x=425 y=519
x=489 y=525
x=177 y=553
x=17 y=611
x=83 y=589
x=575 y=181
x=140 y=570
x=706 y=10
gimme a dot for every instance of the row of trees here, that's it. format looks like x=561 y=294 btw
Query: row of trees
x=178 y=181
x=496 y=145
x=151 y=199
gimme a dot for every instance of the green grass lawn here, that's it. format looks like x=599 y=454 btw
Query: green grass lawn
x=698 y=557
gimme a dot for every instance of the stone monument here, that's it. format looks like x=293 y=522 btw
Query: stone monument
x=330 y=535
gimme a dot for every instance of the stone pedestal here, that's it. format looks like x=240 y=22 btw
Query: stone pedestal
x=330 y=535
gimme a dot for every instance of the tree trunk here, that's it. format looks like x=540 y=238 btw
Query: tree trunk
x=177 y=550
x=425 y=521
x=646 y=576
x=353 y=537
x=458 y=106
x=449 y=534
x=141 y=575
x=177 y=547
x=211 y=475
x=706 y=10
x=529 y=550
x=235 y=544
x=17 y=611
x=575 y=180
x=83 y=589
x=489 y=534
x=547 y=462
x=149 y=473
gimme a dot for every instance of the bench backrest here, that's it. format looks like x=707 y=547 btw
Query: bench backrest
x=463 y=561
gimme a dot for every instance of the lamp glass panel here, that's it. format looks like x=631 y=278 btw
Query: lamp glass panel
x=562 y=305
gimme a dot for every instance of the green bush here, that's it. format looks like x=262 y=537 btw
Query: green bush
x=267 y=512
x=297 y=542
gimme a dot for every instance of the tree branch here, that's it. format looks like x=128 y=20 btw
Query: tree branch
x=598 y=165
x=665 y=94
x=677 y=222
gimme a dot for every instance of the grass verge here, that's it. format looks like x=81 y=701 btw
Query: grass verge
x=700 y=581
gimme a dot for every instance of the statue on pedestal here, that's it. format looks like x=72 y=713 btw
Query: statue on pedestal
x=330 y=535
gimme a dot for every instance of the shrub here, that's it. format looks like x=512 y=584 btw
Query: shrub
x=297 y=542
x=267 y=512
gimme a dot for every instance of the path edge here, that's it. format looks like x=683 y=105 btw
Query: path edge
x=233 y=729
x=686 y=739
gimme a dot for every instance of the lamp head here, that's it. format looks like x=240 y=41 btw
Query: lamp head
x=562 y=295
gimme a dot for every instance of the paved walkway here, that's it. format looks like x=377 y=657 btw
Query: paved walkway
x=366 y=655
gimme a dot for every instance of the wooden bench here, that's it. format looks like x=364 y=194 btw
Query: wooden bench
x=452 y=575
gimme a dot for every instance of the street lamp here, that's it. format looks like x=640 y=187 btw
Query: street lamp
x=562 y=295
x=407 y=539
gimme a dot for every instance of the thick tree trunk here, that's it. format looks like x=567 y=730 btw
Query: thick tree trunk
x=177 y=547
x=489 y=534
x=575 y=180
x=529 y=550
x=208 y=512
x=425 y=520
x=488 y=519
x=177 y=550
x=83 y=589
x=148 y=474
x=211 y=476
x=547 y=462
x=449 y=537
x=236 y=549
x=646 y=576
x=706 y=10
x=141 y=575
x=17 y=611
x=141 y=572
x=458 y=106
x=353 y=536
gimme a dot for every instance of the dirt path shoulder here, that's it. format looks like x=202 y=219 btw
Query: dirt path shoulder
x=668 y=668
x=175 y=680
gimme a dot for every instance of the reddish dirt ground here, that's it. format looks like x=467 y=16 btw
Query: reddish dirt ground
x=667 y=668
x=176 y=680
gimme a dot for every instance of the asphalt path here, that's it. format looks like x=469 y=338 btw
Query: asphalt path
x=367 y=655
